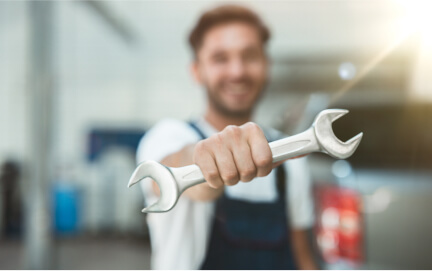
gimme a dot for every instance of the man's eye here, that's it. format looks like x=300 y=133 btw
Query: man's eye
x=251 y=56
x=219 y=59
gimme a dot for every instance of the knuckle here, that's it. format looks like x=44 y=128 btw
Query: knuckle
x=264 y=172
x=198 y=146
x=251 y=126
x=232 y=131
x=230 y=128
x=246 y=180
x=212 y=174
x=212 y=178
x=229 y=177
x=214 y=184
x=197 y=154
x=213 y=143
x=217 y=140
x=267 y=171
x=263 y=161
x=231 y=182
x=200 y=152
x=248 y=173
x=203 y=146
x=264 y=165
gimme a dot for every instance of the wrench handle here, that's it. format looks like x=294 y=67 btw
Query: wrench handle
x=187 y=176
x=292 y=146
x=282 y=149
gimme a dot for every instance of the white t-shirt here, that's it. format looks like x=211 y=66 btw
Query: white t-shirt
x=179 y=238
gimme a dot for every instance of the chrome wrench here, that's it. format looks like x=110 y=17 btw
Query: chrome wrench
x=319 y=137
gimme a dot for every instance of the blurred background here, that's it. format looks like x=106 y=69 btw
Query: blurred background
x=81 y=82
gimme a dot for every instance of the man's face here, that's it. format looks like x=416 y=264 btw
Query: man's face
x=231 y=64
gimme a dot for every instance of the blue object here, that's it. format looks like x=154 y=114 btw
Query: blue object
x=101 y=139
x=66 y=208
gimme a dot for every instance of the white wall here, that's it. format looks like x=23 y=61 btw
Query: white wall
x=101 y=80
x=13 y=75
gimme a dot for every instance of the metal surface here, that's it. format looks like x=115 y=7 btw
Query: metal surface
x=39 y=246
x=318 y=138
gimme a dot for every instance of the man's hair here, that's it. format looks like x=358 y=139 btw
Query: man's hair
x=222 y=15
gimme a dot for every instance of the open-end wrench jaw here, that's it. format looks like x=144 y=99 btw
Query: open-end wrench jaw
x=326 y=138
x=163 y=177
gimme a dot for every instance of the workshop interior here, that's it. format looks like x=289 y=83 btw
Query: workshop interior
x=81 y=82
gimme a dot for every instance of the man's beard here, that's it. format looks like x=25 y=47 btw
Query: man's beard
x=223 y=109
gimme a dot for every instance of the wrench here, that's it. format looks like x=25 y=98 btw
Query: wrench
x=319 y=137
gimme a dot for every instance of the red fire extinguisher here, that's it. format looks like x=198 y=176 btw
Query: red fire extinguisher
x=339 y=227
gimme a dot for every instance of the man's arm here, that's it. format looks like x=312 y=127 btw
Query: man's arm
x=238 y=153
x=302 y=250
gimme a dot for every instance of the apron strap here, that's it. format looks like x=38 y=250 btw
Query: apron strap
x=193 y=125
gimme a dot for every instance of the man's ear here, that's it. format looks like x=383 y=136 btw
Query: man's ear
x=195 y=71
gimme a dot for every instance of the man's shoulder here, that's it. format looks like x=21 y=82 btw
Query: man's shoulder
x=164 y=137
x=168 y=124
x=169 y=128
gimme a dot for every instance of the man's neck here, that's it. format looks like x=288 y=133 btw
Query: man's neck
x=220 y=121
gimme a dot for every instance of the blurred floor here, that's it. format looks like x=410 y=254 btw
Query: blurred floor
x=86 y=253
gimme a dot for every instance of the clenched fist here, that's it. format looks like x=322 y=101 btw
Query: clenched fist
x=238 y=153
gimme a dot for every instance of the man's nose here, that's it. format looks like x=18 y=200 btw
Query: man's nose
x=237 y=68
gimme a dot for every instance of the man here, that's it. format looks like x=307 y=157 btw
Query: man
x=244 y=216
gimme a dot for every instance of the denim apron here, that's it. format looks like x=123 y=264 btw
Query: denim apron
x=250 y=235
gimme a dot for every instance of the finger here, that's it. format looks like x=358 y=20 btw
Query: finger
x=210 y=171
x=275 y=165
x=206 y=162
x=261 y=153
x=226 y=165
x=243 y=159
